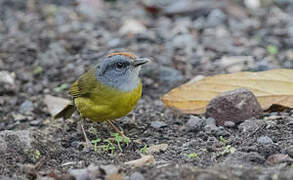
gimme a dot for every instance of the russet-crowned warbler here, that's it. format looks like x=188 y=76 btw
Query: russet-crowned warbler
x=108 y=91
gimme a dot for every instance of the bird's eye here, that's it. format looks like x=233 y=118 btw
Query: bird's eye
x=120 y=65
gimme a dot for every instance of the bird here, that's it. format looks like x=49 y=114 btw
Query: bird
x=107 y=91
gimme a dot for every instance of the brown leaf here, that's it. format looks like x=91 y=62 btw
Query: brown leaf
x=270 y=87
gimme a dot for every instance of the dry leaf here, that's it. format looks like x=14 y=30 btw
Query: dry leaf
x=148 y=159
x=270 y=87
x=156 y=148
x=55 y=104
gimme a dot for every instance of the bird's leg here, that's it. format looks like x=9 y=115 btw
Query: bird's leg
x=87 y=141
x=115 y=128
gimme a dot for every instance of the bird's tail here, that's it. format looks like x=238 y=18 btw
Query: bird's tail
x=66 y=112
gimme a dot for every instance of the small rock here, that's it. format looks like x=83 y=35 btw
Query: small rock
x=8 y=178
x=19 y=117
x=236 y=106
x=26 y=107
x=6 y=77
x=290 y=122
x=211 y=121
x=220 y=44
x=91 y=8
x=136 y=176
x=235 y=63
x=250 y=125
x=215 y=18
x=216 y=131
x=264 y=140
x=133 y=27
x=229 y=124
x=16 y=139
x=252 y=4
x=156 y=148
x=194 y=123
x=286 y=174
x=170 y=75
x=113 y=43
x=244 y=159
x=278 y=158
x=183 y=40
x=79 y=174
x=166 y=75
x=290 y=151
x=158 y=124
x=268 y=149
x=92 y=172
x=220 y=131
x=35 y=122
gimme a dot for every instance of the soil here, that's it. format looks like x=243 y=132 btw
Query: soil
x=46 y=45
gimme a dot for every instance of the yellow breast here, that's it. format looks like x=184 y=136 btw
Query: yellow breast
x=106 y=103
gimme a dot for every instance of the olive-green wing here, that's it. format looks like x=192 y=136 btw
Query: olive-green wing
x=84 y=85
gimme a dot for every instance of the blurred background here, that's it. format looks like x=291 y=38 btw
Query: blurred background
x=47 y=44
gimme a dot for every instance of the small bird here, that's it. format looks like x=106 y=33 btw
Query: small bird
x=108 y=91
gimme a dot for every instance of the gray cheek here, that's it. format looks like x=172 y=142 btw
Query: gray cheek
x=124 y=82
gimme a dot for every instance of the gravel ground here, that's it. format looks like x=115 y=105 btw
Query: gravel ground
x=45 y=45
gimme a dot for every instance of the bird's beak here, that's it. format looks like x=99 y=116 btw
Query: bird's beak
x=140 y=61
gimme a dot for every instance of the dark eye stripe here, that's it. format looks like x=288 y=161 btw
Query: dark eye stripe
x=121 y=65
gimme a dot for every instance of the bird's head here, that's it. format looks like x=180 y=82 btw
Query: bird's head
x=120 y=70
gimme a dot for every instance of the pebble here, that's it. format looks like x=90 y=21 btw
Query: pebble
x=132 y=26
x=229 y=124
x=91 y=9
x=250 y=125
x=166 y=75
x=158 y=124
x=194 y=123
x=170 y=75
x=290 y=122
x=244 y=158
x=136 y=176
x=215 y=18
x=35 y=122
x=183 y=40
x=236 y=106
x=278 y=158
x=114 y=43
x=220 y=131
x=290 y=151
x=103 y=172
x=19 y=139
x=211 y=121
x=264 y=140
x=6 y=77
x=26 y=107
x=216 y=131
x=252 y=4
x=79 y=174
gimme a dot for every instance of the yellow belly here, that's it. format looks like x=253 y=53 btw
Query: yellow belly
x=109 y=104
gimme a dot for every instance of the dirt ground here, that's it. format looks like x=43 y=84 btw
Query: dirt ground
x=45 y=45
